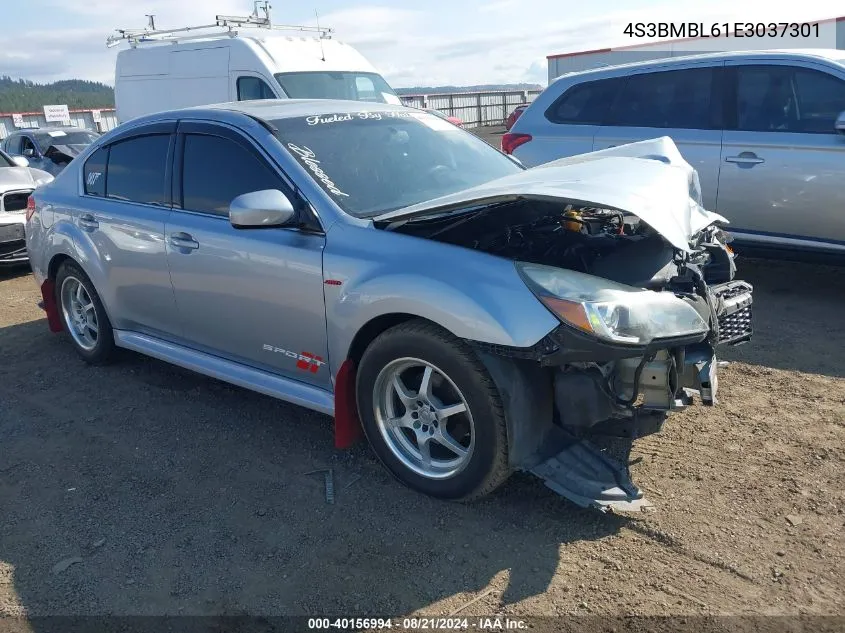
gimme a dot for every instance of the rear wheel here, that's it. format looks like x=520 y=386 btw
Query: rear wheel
x=83 y=314
x=431 y=412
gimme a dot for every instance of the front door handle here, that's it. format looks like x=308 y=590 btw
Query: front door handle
x=745 y=158
x=88 y=222
x=183 y=240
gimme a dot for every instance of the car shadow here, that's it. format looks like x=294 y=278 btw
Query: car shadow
x=140 y=488
x=798 y=322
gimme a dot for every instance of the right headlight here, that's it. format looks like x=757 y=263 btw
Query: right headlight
x=608 y=310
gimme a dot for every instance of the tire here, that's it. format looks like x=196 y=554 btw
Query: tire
x=83 y=315
x=397 y=425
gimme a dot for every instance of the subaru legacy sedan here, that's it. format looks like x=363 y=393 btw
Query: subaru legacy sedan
x=765 y=130
x=383 y=266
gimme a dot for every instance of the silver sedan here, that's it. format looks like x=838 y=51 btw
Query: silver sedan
x=378 y=264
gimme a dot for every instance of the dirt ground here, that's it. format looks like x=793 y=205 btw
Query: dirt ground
x=139 y=488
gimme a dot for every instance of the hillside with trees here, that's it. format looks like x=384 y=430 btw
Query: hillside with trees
x=22 y=95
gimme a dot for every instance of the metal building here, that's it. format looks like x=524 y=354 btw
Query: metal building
x=830 y=34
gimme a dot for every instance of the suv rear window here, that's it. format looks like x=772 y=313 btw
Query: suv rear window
x=584 y=104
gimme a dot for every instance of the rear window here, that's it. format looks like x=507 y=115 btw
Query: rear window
x=136 y=169
x=354 y=86
x=584 y=104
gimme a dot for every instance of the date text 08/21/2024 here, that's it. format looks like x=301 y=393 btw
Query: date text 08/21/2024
x=420 y=623
x=702 y=30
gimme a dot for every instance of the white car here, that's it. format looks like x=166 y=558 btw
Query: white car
x=17 y=182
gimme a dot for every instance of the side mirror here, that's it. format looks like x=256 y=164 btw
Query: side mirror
x=259 y=209
x=840 y=123
x=29 y=152
x=20 y=161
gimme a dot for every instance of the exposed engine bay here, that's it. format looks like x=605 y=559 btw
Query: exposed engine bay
x=602 y=242
x=606 y=396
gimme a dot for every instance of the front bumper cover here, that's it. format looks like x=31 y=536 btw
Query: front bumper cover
x=576 y=434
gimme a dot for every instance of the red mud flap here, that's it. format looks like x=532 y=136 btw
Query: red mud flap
x=347 y=426
x=48 y=304
x=591 y=477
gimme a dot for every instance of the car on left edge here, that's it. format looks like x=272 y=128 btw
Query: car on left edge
x=49 y=148
x=17 y=182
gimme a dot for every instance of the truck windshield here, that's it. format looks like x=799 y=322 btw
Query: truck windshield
x=354 y=86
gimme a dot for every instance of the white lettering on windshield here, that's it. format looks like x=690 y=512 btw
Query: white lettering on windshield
x=310 y=158
x=355 y=116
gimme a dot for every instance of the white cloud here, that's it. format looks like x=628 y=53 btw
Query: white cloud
x=437 y=42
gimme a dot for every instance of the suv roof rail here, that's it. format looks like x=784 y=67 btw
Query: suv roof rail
x=224 y=25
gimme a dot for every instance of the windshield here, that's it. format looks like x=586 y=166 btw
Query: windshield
x=354 y=86
x=374 y=162
x=61 y=137
x=6 y=160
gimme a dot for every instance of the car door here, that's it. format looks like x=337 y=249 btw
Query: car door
x=782 y=160
x=684 y=104
x=121 y=216
x=251 y=295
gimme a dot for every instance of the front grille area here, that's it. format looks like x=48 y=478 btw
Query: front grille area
x=735 y=328
x=734 y=315
x=14 y=201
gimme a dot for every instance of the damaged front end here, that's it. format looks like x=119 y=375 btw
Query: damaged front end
x=616 y=245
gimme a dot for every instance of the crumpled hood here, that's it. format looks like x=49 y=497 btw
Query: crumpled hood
x=648 y=179
x=22 y=178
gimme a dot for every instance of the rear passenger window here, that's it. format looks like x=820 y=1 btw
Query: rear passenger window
x=94 y=172
x=217 y=170
x=250 y=88
x=584 y=104
x=136 y=169
x=669 y=99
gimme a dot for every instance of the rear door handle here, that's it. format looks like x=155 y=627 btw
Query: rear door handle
x=745 y=158
x=88 y=222
x=183 y=240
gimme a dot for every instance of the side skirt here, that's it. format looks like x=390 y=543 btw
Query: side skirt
x=264 y=382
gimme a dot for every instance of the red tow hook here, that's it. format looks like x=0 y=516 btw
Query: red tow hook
x=48 y=304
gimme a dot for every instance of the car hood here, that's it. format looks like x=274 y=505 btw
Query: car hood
x=648 y=179
x=22 y=178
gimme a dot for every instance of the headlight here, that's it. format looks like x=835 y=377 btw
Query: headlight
x=611 y=311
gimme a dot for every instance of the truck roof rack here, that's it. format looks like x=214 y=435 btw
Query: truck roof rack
x=225 y=25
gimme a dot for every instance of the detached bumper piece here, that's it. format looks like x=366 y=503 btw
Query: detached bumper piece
x=734 y=301
x=594 y=474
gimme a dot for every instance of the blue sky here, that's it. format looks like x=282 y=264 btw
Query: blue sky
x=417 y=42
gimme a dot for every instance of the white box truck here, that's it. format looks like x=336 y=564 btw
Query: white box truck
x=183 y=67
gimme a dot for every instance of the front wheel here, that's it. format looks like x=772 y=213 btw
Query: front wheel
x=432 y=413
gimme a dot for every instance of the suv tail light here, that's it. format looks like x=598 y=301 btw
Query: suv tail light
x=511 y=141
x=30 y=207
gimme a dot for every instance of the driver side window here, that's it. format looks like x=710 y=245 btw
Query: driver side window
x=28 y=147
x=216 y=170
x=250 y=88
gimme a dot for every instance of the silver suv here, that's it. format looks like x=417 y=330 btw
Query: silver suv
x=764 y=130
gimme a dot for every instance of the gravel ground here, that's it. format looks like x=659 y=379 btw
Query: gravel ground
x=139 y=488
